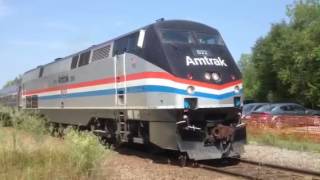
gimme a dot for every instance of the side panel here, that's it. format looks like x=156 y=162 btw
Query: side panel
x=75 y=116
x=147 y=87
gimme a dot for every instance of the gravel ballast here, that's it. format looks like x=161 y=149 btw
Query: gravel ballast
x=134 y=167
x=283 y=157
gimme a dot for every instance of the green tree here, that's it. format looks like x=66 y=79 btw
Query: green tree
x=17 y=80
x=287 y=60
x=249 y=76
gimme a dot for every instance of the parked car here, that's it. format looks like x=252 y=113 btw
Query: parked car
x=247 y=109
x=283 y=114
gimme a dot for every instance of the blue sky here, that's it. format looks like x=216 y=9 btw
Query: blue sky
x=36 y=32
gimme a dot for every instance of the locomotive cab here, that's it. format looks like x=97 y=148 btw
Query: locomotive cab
x=197 y=52
x=209 y=125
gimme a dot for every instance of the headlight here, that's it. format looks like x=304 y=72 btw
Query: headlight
x=190 y=89
x=189 y=76
x=216 y=77
x=207 y=76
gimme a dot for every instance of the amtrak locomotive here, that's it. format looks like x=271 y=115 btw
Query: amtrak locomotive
x=172 y=84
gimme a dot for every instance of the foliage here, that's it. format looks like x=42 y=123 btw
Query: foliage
x=85 y=149
x=17 y=80
x=22 y=156
x=29 y=121
x=33 y=123
x=5 y=116
x=285 y=64
x=27 y=151
x=249 y=78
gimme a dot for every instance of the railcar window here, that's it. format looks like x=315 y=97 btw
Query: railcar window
x=84 y=58
x=174 y=36
x=126 y=44
x=74 y=62
x=34 y=101
x=132 y=42
x=28 y=102
x=120 y=46
x=41 y=71
x=210 y=39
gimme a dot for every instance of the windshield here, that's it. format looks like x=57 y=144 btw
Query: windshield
x=173 y=36
x=188 y=37
x=210 y=39
x=265 y=108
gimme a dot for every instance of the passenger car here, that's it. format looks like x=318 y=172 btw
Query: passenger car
x=281 y=115
x=247 y=109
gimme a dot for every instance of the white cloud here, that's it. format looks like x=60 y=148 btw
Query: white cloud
x=4 y=8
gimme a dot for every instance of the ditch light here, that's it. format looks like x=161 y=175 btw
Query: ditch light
x=237 y=102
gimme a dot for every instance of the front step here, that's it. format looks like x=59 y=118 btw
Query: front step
x=102 y=133
x=123 y=127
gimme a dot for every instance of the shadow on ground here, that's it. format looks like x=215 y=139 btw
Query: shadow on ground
x=159 y=156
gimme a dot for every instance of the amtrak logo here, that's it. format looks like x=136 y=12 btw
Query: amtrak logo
x=204 y=61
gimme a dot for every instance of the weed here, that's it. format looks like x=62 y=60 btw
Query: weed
x=23 y=156
x=281 y=139
x=85 y=149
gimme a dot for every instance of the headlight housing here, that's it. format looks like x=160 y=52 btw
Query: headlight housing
x=216 y=77
x=190 y=89
x=207 y=76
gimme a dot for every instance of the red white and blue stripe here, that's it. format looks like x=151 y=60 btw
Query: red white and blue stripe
x=146 y=82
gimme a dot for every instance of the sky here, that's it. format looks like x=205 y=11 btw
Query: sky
x=36 y=32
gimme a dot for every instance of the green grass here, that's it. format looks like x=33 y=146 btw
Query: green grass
x=287 y=141
x=28 y=152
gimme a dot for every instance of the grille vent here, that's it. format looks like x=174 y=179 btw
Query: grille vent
x=101 y=53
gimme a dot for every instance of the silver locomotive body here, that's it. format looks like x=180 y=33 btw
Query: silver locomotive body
x=172 y=84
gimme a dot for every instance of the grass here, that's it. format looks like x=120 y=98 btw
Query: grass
x=28 y=152
x=282 y=139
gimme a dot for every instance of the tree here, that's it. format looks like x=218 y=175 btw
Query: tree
x=249 y=75
x=16 y=81
x=287 y=61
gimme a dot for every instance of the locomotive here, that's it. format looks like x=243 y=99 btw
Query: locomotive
x=172 y=84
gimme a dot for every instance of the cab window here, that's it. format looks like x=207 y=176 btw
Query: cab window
x=126 y=44
x=209 y=39
x=176 y=36
x=84 y=58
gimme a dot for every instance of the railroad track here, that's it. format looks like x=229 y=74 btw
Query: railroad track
x=241 y=168
x=248 y=169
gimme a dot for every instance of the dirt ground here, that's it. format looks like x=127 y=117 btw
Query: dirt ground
x=135 y=165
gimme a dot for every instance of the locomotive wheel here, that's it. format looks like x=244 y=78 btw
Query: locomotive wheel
x=61 y=131
x=183 y=159
x=53 y=129
x=195 y=164
x=116 y=142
